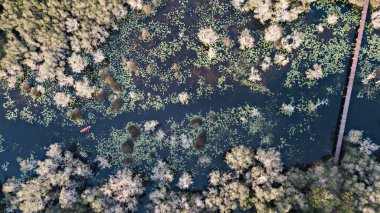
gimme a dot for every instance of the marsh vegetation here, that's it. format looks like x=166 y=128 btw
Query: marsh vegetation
x=244 y=92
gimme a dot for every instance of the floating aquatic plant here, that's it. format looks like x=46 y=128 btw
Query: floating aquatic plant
x=76 y=63
x=178 y=142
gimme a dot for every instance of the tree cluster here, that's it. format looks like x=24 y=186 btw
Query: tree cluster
x=257 y=180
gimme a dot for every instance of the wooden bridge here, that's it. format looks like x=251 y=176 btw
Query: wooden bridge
x=351 y=79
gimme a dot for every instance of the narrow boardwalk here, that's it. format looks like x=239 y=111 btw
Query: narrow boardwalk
x=350 y=84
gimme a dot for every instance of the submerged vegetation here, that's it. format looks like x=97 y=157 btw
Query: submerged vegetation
x=197 y=139
x=179 y=90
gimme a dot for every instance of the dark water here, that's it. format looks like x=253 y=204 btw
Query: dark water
x=314 y=136
x=23 y=139
x=364 y=114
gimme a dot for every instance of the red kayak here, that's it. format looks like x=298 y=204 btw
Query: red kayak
x=85 y=129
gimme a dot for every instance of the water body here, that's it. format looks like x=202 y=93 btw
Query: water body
x=313 y=137
x=23 y=139
x=364 y=114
